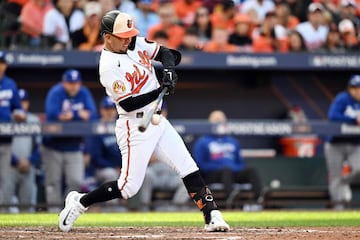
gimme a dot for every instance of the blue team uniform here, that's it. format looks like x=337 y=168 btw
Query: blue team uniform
x=9 y=101
x=56 y=102
x=104 y=151
x=344 y=109
x=213 y=153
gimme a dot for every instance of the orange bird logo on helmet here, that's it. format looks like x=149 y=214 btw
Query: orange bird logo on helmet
x=129 y=23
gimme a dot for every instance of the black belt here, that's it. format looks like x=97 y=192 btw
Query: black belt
x=141 y=114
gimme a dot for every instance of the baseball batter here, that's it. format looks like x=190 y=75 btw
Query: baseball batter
x=129 y=78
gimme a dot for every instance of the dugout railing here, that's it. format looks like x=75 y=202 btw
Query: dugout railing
x=303 y=180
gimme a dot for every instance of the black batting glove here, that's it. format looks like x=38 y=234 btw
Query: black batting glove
x=169 y=80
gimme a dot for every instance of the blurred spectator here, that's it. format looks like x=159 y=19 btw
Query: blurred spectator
x=341 y=150
x=348 y=35
x=284 y=16
x=60 y=23
x=88 y=38
x=332 y=8
x=298 y=8
x=80 y=4
x=186 y=10
x=127 y=6
x=348 y=11
x=313 y=30
x=224 y=18
x=242 y=33
x=202 y=24
x=333 y=42
x=10 y=109
x=296 y=42
x=211 y=4
x=161 y=37
x=105 y=156
x=272 y=37
x=32 y=19
x=145 y=17
x=168 y=23
x=25 y=159
x=67 y=101
x=219 y=160
x=108 y=5
x=219 y=42
x=9 y=21
x=260 y=6
x=254 y=17
x=190 y=41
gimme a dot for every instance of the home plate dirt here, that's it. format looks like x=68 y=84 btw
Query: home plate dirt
x=163 y=233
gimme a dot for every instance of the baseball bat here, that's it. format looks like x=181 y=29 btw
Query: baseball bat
x=147 y=117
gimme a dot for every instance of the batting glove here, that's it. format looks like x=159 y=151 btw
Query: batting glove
x=169 y=80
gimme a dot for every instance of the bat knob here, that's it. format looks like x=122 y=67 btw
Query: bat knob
x=142 y=129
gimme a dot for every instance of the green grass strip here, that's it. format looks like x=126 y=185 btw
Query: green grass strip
x=177 y=219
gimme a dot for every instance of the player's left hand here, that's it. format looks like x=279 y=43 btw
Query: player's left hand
x=169 y=80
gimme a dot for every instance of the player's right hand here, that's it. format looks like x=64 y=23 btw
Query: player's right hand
x=66 y=116
x=169 y=80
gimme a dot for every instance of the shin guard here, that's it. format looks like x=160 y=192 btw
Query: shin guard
x=200 y=194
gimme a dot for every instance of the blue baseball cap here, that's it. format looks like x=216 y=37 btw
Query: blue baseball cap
x=106 y=102
x=354 y=81
x=72 y=76
x=3 y=57
x=24 y=95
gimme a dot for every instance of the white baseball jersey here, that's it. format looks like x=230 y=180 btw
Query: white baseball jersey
x=131 y=74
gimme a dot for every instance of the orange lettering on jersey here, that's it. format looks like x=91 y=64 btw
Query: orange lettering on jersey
x=145 y=59
x=137 y=79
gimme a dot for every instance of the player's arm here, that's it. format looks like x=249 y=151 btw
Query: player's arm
x=338 y=108
x=53 y=108
x=169 y=59
x=132 y=103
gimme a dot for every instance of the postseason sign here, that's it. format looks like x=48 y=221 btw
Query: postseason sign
x=197 y=127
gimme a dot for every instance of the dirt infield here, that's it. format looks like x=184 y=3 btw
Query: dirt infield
x=163 y=233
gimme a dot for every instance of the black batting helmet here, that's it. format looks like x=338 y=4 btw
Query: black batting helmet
x=119 y=24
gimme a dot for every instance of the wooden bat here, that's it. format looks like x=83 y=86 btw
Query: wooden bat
x=147 y=117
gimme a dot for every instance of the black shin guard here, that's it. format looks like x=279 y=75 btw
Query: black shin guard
x=200 y=194
x=106 y=192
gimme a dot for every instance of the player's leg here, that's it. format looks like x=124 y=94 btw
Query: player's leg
x=172 y=150
x=5 y=160
x=13 y=178
x=136 y=151
x=74 y=170
x=353 y=153
x=354 y=161
x=150 y=182
x=53 y=168
x=27 y=187
x=250 y=175
x=334 y=155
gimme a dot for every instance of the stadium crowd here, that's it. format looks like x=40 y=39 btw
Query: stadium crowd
x=262 y=26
